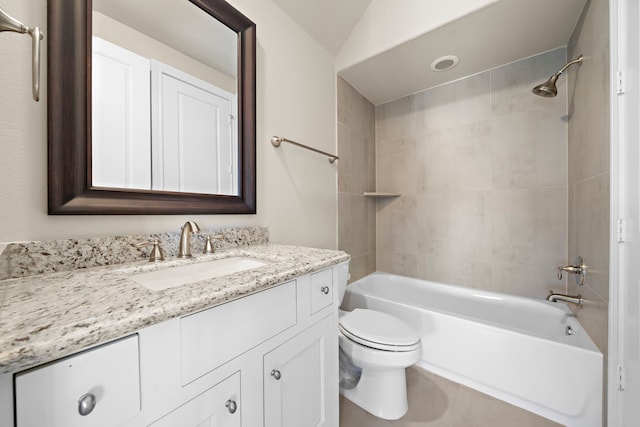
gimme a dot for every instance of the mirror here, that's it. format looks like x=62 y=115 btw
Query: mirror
x=163 y=99
x=88 y=174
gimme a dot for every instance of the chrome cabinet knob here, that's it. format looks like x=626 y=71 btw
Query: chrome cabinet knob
x=232 y=406
x=324 y=290
x=86 y=404
x=276 y=374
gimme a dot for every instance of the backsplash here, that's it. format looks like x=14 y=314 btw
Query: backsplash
x=31 y=258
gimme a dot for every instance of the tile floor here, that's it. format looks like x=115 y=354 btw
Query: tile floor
x=437 y=402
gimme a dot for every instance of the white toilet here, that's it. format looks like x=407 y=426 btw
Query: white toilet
x=382 y=346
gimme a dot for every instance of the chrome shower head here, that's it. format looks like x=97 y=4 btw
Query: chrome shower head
x=548 y=89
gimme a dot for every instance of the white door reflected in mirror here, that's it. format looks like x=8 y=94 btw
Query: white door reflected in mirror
x=164 y=104
x=193 y=136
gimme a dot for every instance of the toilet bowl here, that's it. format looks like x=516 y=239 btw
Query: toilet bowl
x=382 y=346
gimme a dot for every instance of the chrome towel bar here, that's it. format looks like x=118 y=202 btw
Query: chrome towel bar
x=7 y=23
x=277 y=140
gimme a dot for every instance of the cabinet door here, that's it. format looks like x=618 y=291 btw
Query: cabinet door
x=217 y=407
x=300 y=379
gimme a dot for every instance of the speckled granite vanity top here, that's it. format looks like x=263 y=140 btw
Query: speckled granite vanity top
x=48 y=316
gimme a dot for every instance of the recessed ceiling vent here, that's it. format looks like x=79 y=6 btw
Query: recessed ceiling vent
x=445 y=63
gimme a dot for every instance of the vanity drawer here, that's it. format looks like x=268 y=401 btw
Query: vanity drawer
x=51 y=395
x=321 y=290
x=213 y=337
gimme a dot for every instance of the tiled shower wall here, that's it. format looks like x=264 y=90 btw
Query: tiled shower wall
x=481 y=164
x=356 y=174
x=589 y=168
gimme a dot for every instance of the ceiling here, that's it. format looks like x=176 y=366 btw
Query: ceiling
x=328 y=21
x=503 y=32
x=183 y=31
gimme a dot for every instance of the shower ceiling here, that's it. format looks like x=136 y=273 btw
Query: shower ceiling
x=505 y=31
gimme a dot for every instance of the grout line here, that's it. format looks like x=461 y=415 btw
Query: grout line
x=582 y=181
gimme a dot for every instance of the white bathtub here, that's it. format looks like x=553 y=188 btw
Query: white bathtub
x=515 y=349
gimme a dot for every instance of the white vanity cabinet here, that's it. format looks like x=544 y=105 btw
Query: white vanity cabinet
x=216 y=407
x=97 y=388
x=296 y=390
x=269 y=359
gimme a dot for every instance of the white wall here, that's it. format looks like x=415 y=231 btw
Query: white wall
x=296 y=98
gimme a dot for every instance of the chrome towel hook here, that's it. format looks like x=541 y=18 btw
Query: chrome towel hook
x=8 y=23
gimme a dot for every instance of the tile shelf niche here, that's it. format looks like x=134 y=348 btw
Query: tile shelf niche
x=380 y=194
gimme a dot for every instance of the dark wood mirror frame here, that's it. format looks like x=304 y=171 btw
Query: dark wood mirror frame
x=69 y=123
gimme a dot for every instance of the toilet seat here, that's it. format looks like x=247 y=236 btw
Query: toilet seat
x=379 y=330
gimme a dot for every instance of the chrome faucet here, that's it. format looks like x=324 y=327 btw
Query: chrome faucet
x=189 y=227
x=554 y=297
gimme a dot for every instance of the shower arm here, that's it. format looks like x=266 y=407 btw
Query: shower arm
x=578 y=60
x=8 y=23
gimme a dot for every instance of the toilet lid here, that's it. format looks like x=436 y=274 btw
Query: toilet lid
x=379 y=330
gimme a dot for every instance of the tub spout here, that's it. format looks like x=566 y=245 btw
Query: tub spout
x=574 y=299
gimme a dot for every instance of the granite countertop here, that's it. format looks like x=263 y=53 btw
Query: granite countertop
x=48 y=316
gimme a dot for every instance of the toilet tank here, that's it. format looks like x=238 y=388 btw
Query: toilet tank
x=342 y=275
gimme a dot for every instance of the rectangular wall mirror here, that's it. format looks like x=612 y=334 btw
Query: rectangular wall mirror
x=151 y=107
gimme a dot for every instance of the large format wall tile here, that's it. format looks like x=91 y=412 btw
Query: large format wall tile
x=481 y=164
x=356 y=175
x=354 y=110
x=454 y=104
x=530 y=226
x=456 y=159
x=396 y=166
x=590 y=238
x=354 y=152
x=456 y=225
x=352 y=229
x=511 y=84
x=396 y=119
x=395 y=223
x=529 y=148
x=589 y=177
x=404 y=264
x=589 y=94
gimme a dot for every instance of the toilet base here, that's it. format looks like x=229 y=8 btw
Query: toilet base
x=382 y=393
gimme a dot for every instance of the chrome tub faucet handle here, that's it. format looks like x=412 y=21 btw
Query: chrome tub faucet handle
x=579 y=270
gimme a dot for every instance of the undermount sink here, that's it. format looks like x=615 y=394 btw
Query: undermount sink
x=177 y=276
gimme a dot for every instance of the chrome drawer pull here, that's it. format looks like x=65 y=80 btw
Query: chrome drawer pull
x=232 y=406
x=276 y=374
x=86 y=404
x=324 y=290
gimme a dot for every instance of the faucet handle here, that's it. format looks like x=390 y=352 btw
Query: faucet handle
x=156 y=253
x=579 y=270
x=208 y=246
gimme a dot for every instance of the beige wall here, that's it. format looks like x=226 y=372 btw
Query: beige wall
x=356 y=174
x=296 y=190
x=117 y=33
x=482 y=167
x=589 y=165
